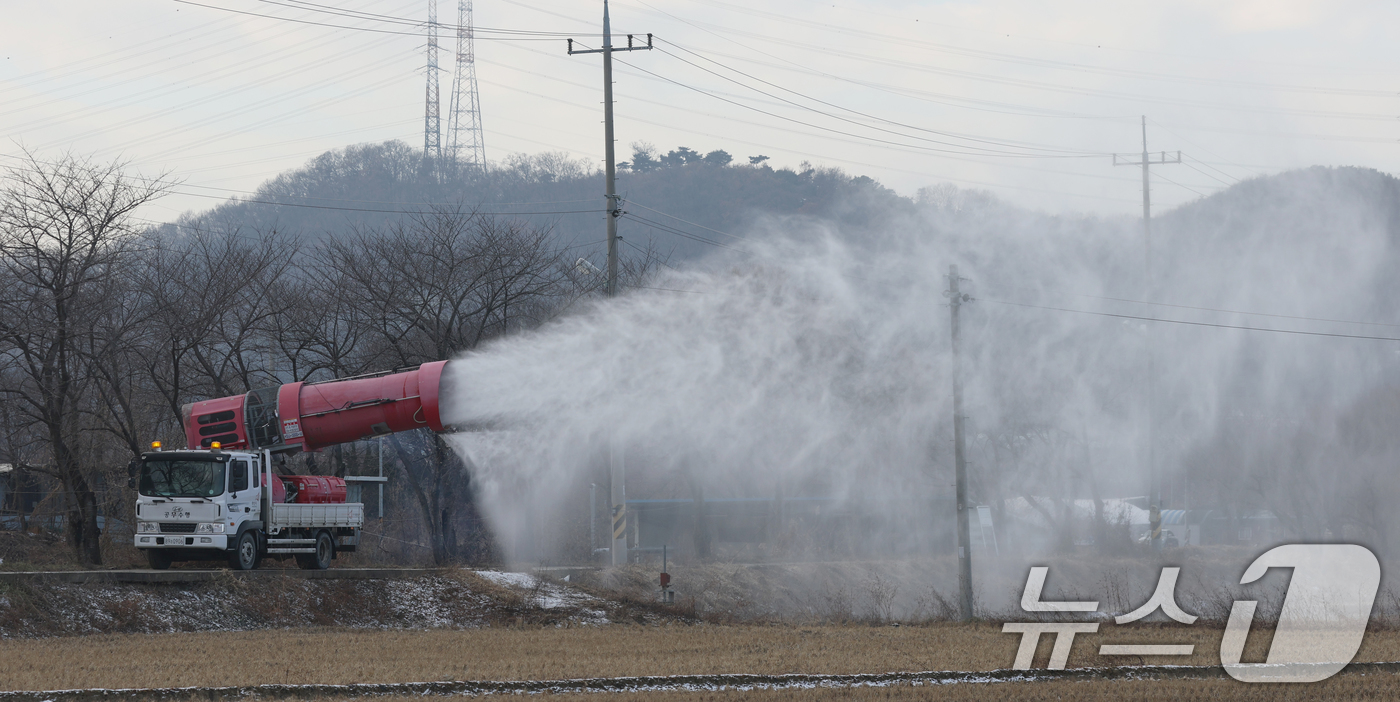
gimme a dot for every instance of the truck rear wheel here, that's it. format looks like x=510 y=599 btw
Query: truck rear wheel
x=159 y=560
x=245 y=554
x=321 y=559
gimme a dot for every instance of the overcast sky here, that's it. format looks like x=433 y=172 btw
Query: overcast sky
x=1024 y=98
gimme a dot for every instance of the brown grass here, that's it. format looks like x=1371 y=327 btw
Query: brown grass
x=34 y=551
x=335 y=656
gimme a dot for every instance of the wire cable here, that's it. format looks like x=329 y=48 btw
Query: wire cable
x=998 y=163
x=1062 y=152
x=1079 y=67
x=370 y=209
x=829 y=50
x=985 y=153
x=680 y=233
x=554 y=37
x=1242 y=312
x=393 y=19
x=686 y=221
x=1192 y=323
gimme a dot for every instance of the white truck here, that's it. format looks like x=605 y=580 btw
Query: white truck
x=212 y=504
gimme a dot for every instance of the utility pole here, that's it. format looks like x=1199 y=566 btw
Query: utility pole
x=1154 y=479
x=614 y=205
x=617 y=469
x=956 y=299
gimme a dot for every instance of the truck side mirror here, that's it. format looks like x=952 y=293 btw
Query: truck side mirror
x=131 y=481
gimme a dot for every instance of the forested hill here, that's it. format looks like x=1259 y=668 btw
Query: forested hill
x=675 y=200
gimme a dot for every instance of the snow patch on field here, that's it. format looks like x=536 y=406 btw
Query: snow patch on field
x=544 y=594
x=447 y=600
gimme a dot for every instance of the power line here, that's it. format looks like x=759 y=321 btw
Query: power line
x=829 y=50
x=812 y=156
x=1064 y=153
x=351 y=73
x=1191 y=323
x=1348 y=70
x=680 y=233
x=648 y=287
x=308 y=197
x=276 y=99
x=1181 y=185
x=1253 y=314
x=808 y=155
x=370 y=209
x=903 y=92
x=1202 y=148
x=1049 y=63
x=984 y=152
x=686 y=221
x=111 y=58
x=188 y=59
x=549 y=37
x=394 y=19
x=1207 y=174
x=644 y=252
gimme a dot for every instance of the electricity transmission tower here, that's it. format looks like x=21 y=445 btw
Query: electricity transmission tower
x=432 y=123
x=466 y=146
x=1154 y=479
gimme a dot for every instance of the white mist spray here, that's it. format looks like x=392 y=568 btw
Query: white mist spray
x=816 y=365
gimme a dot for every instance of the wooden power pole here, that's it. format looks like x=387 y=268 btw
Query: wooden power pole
x=956 y=298
x=1154 y=478
x=614 y=204
x=617 y=470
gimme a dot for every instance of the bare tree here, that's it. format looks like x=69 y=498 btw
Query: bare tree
x=430 y=288
x=66 y=232
x=213 y=298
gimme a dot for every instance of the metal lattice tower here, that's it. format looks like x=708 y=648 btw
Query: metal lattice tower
x=466 y=146
x=432 y=123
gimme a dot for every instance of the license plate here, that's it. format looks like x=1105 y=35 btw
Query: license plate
x=175 y=541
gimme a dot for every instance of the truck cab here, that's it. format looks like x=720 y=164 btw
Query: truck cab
x=201 y=505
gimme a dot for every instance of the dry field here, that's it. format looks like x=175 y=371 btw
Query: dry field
x=337 y=656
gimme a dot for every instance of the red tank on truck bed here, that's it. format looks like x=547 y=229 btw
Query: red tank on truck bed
x=315 y=489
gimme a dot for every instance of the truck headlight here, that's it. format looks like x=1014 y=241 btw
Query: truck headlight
x=209 y=528
x=147 y=528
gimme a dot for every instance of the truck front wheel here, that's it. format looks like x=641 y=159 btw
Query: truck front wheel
x=245 y=554
x=321 y=559
x=159 y=560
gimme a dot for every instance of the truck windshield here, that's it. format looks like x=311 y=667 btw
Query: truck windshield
x=182 y=478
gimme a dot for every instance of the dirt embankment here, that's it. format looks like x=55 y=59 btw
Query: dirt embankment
x=456 y=598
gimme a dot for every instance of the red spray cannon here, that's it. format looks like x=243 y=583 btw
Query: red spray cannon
x=311 y=416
